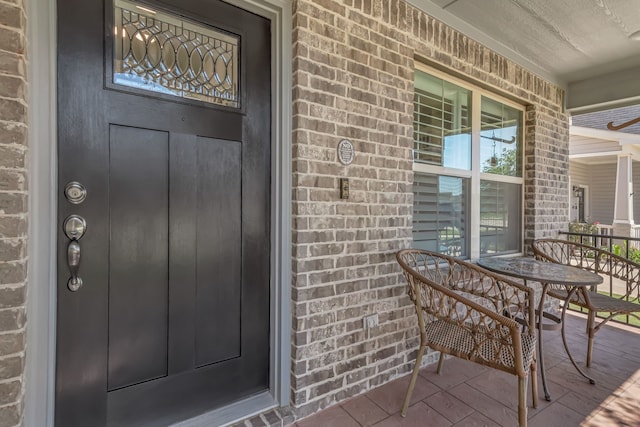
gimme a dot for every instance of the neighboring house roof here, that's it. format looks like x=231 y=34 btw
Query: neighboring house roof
x=591 y=142
x=599 y=119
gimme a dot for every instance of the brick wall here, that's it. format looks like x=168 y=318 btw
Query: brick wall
x=353 y=73
x=546 y=172
x=13 y=210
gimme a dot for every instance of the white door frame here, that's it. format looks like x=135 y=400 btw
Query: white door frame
x=573 y=213
x=41 y=298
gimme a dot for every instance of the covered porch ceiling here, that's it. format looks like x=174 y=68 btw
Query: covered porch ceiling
x=589 y=47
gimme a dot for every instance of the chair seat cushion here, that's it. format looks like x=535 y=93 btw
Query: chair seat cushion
x=600 y=302
x=491 y=347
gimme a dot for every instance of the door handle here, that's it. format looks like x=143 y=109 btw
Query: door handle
x=73 y=260
x=74 y=228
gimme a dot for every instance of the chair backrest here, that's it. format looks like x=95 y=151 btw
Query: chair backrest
x=590 y=258
x=443 y=281
x=430 y=275
x=473 y=300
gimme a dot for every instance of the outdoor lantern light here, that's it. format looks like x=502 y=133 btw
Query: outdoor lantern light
x=494 y=160
x=576 y=191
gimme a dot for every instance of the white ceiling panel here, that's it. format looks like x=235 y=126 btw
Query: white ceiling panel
x=572 y=39
x=564 y=40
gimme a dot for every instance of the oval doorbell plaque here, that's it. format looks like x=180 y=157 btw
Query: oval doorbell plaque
x=346 y=153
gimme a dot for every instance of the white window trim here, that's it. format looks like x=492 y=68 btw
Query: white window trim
x=474 y=174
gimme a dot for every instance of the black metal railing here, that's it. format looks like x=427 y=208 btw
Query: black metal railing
x=620 y=245
x=624 y=246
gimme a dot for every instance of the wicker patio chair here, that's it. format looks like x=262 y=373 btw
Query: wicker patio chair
x=468 y=312
x=600 y=262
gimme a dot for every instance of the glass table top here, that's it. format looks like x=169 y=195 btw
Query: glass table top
x=532 y=269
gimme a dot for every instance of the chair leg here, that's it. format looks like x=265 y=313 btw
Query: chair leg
x=440 y=363
x=591 y=333
x=412 y=382
x=534 y=385
x=522 y=401
x=589 y=320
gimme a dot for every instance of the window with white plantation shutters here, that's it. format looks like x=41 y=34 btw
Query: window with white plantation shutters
x=441 y=118
x=440 y=213
x=467 y=169
x=500 y=215
x=431 y=119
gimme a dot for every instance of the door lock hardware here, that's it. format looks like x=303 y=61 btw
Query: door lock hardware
x=73 y=259
x=75 y=192
x=74 y=228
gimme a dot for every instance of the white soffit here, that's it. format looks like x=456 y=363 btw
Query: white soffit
x=435 y=10
x=564 y=41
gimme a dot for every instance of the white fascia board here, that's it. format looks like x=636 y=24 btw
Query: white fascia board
x=632 y=150
x=592 y=155
x=630 y=141
x=593 y=161
x=609 y=135
x=606 y=156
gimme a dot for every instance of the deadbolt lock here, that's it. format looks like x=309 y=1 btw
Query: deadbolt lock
x=75 y=192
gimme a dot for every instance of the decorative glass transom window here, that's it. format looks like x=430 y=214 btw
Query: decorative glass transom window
x=167 y=54
x=467 y=156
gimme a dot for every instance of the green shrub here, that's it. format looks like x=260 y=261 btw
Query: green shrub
x=584 y=228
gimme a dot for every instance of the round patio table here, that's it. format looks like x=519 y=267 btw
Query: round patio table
x=547 y=274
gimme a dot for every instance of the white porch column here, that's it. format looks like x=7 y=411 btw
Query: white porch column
x=623 y=209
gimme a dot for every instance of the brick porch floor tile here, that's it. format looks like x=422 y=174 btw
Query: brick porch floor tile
x=482 y=403
x=556 y=415
x=334 y=416
x=364 y=410
x=419 y=414
x=476 y=419
x=455 y=371
x=391 y=396
x=449 y=406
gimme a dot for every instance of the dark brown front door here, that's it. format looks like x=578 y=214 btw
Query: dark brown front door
x=164 y=118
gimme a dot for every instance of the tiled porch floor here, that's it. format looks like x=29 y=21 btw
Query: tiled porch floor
x=467 y=394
